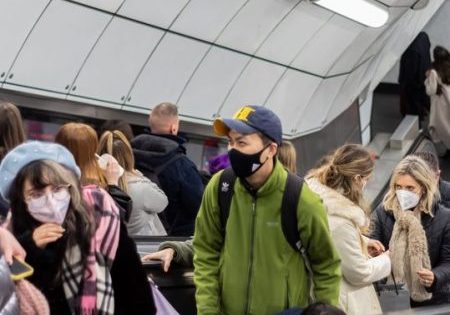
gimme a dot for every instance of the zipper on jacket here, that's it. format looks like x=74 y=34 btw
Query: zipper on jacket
x=250 y=269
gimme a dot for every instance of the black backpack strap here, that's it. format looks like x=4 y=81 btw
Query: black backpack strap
x=226 y=189
x=289 y=221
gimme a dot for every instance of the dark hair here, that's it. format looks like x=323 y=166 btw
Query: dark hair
x=320 y=308
x=440 y=54
x=116 y=124
x=430 y=158
x=77 y=225
x=441 y=64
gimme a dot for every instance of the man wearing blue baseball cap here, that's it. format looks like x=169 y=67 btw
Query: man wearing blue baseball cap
x=244 y=262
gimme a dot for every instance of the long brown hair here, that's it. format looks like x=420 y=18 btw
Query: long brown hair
x=116 y=144
x=340 y=169
x=81 y=140
x=11 y=128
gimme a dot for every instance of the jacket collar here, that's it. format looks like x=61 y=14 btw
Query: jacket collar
x=275 y=181
x=177 y=139
x=338 y=205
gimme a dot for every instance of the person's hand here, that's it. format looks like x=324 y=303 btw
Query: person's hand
x=10 y=246
x=165 y=255
x=375 y=248
x=112 y=171
x=47 y=233
x=426 y=277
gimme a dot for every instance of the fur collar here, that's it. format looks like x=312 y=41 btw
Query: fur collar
x=338 y=205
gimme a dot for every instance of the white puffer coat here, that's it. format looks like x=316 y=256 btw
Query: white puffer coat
x=357 y=294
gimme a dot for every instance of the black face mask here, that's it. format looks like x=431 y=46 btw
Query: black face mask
x=245 y=165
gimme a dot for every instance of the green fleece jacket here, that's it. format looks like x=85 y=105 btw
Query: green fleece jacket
x=252 y=269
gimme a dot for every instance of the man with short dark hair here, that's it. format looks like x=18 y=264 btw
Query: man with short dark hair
x=161 y=156
x=433 y=163
x=245 y=265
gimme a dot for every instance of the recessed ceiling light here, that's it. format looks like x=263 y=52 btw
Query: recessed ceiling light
x=366 y=12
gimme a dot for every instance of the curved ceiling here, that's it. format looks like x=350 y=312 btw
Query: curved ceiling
x=208 y=56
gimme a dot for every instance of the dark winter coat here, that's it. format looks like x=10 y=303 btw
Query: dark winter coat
x=414 y=63
x=444 y=189
x=180 y=180
x=437 y=230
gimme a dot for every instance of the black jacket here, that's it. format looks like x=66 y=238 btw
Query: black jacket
x=437 y=230
x=414 y=63
x=444 y=189
x=132 y=292
x=122 y=200
x=180 y=180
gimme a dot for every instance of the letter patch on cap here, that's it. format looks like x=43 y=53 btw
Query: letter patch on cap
x=243 y=113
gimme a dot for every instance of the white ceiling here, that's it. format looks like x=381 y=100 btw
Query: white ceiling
x=208 y=56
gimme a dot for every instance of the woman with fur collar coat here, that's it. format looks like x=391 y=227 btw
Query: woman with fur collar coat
x=339 y=182
x=416 y=228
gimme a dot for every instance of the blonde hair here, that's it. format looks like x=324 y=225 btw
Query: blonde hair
x=288 y=156
x=116 y=144
x=81 y=140
x=419 y=170
x=339 y=170
x=11 y=128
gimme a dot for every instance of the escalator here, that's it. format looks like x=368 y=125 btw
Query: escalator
x=177 y=285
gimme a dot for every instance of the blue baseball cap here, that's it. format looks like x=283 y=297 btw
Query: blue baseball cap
x=29 y=152
x=251 y=119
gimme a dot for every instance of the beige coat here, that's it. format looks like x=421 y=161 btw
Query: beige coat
x=357 y=294
x=439 y=110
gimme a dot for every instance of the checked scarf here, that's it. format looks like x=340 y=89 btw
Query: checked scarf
x=88 y=289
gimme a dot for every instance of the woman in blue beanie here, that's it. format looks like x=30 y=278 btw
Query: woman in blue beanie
x=84 y=261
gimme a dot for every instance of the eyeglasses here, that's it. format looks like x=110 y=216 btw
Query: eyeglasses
x=38 y=199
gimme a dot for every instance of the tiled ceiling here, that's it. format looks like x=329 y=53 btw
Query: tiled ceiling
x=209 y=56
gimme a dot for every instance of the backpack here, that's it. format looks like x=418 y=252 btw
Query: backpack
x=289 y=204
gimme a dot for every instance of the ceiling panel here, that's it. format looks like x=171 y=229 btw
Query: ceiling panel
x=350 y=90
x=250 y=27
x=286 y=40
x=205 y=19
x=354 y=54
x=211 y=83
x=167 y=71
x=116 y=61
x=290 y=97
x=57 y=47
x=333 y=39
x=110 y=5
x=253 y=86
x=17 y=18
x=156 y=12
x=312 y=117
